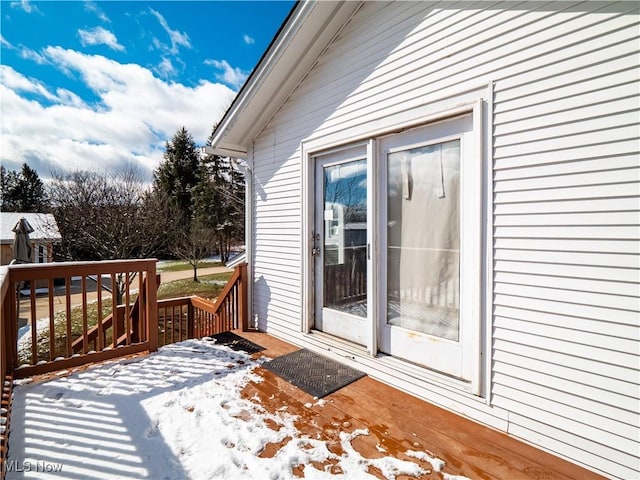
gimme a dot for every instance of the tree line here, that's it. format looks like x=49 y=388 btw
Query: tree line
x=193 y=208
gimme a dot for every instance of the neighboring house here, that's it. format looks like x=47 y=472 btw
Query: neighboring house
x=492 y=151
x=44 y=236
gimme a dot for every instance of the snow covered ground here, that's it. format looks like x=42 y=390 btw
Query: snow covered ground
x=175 y=414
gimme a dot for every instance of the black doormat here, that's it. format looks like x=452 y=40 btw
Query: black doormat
x=313 y=373
x=236 y=342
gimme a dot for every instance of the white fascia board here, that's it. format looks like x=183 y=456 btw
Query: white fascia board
x=311 y=26
x=257 y=77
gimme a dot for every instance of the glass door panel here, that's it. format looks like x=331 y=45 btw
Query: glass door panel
x=341 y=246
x=345 y=237
x=423 y=239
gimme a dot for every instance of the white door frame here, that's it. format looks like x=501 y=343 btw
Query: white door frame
x=480 y=108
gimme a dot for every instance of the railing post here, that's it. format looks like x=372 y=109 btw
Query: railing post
x=8 y=293
x=242 y=300
x=11 y=327
x=152 y=307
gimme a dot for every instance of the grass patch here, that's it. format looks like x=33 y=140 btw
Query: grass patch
x=60 y=331
x=209 y=287
x=180 y=266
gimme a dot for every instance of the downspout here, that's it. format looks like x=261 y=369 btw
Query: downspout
x=247 y=168
x=248 y=233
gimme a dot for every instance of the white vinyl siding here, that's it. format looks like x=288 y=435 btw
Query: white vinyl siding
x=566 y=229
x=276 y=235
x=565 y=210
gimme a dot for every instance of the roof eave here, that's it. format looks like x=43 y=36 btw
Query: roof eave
x=306 y=32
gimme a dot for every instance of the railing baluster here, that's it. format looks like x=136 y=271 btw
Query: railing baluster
x=167 y=320
x=196 y=323
x=34 y=329
x=139 y=320
x=67 y=298
x=233 y=308
x=11 y=324
x=142 y=311
x=52 y=326
x=127 y=308
x=101 y=336
x=234 y=315
x=85 y=328
x=114 y=311
x=180 y=329
x=173 y=327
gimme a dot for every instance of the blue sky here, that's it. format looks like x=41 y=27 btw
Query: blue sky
x=96 y=85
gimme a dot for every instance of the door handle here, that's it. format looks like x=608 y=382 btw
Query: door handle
x=315 y=251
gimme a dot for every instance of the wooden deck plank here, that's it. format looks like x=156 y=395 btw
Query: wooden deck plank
x=398 y=422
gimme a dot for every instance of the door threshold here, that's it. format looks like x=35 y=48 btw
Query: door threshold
x=359 y=354
x=344 y=348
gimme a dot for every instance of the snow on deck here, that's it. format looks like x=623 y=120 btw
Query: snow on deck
x=175 y=414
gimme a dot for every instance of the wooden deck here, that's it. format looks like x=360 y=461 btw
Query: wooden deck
x=398 y=422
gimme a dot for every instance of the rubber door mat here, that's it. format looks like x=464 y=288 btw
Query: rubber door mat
x=313 y=373
x=236 y=342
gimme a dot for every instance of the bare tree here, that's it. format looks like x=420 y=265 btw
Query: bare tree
x=105 y=217
x=193 y=245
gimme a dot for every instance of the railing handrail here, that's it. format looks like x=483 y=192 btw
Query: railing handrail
x=237 y=273
x=20 y=272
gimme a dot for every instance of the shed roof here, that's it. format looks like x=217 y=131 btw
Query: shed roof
x=44 y=226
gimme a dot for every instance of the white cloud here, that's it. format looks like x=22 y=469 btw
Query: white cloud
x=25 y=5
x=29 y=54
x=229 y=75
x=20 y=84
x=5 y=43
x=99 y=36
x=165 y=68
x=177 y=38
x=134 y=117
x=248 y=40
x=93 y=7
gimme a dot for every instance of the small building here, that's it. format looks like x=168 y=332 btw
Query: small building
x=45 y=234
x=490 y=151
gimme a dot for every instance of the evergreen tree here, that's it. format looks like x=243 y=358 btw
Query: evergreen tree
x=179 y=173
x=31 y=192
x=8 y=188
x=205 y=195
x=22 y=191
x=219 y=202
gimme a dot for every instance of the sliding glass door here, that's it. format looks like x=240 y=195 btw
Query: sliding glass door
x=414 y=196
